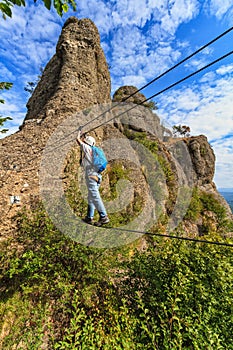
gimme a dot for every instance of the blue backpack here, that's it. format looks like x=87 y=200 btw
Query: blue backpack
x=99 y=160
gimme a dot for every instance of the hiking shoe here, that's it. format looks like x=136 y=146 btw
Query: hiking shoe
x=102 y=221
x=88 y=220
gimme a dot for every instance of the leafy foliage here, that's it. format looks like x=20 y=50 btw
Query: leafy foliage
x=5 y=6
x=60 y=6
x=181 y=130
x=6 y=86
x=31 y=85
x=203 y=204
x=57 y=294
x=151 y=105
x=180 y=294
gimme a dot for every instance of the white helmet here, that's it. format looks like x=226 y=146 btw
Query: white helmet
x=90 y=140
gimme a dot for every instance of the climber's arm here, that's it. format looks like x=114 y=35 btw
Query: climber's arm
x=80 y=137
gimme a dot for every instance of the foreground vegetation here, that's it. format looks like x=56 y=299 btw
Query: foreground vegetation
x=57 y=294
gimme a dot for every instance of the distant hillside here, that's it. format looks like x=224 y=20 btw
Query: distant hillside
x=228 y=195
x=225 y=189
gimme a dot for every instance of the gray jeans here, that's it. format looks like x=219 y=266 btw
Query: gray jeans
x=94 y=198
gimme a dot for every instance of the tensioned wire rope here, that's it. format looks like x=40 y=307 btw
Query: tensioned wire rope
x=166 y=235
x=134 y=106
x=165 y=89
x=169 y=87
x=154 y=80
x=157 y=78
x=163 y=74
x=170 y=236
x=156 y=94
x=146 y=85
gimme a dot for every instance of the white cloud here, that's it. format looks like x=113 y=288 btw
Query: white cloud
x=198 y=62
x=31 y=26
x=208 y=78
x=135 y=80
x=229 y=17
x=179 y=11
x=129 y=52
x=224 y=160
x=140 y=41
x=225 y=69
x=207 y=109
x=131 y=12
x=137 y=53
x=13 y=102
x=28 y=41
x=5 y=74
x=219 y=7
x=98 y=11
x=187 y=101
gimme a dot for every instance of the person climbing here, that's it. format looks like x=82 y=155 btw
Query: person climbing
x=93 y=180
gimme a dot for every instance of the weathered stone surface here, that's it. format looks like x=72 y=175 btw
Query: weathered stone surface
x=138 y=118
x=124 y=92
x=76 y=81
x=203 y=159
x=76 y=78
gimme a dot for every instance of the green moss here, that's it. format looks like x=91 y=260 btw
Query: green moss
x=195 y=206
x=166 y=168
x=116 y=172
x=202 y=203
x=203 y=151
x=143 y=139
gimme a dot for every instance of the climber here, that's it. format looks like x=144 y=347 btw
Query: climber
x=93 y=181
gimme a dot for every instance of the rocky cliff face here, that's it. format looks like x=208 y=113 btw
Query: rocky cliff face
x=75 y=78
x=77 y=75
x=160 y=174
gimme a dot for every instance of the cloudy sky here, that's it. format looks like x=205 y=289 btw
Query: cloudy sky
x=141 y=39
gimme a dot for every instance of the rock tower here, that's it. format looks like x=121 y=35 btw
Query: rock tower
x=74 y=87
x=75 y=78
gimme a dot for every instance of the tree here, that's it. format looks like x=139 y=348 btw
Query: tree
x=181 y=130
x=151 y=105
x=31 y=85
x=4 y=86
x=60 y=6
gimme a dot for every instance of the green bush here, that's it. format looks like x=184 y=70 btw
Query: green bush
x=182 y=294
x=202 y=203
x=58 y=294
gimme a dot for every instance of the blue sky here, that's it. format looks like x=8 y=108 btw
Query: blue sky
x=141 y=39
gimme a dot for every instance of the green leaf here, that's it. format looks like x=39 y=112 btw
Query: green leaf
x=47 y=4
x=18 y=2
x=65 y=7
x=72 y=3
x=5 y=10
x=5 y=85
x=58 y=6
